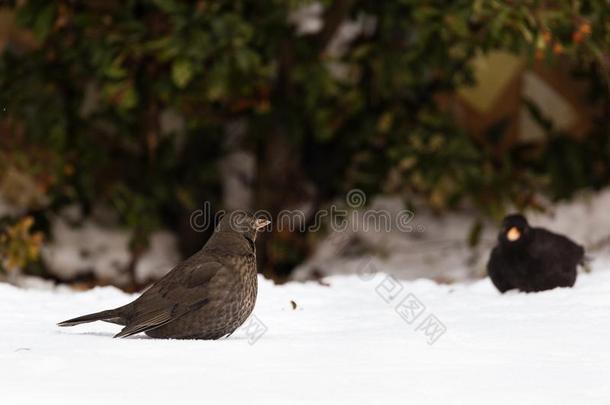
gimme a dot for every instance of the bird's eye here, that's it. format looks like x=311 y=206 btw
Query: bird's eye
x=513 y=234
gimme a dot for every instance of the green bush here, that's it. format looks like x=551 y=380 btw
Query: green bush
x=84 y=106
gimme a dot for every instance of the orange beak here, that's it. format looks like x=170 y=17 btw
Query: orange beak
x=513 y=234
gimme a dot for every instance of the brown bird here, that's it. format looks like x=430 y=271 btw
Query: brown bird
x=207 y=296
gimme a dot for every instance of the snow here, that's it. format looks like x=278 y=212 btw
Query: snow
x=89 y=247
x=438 y=248
x=343 y=343
x=374 y=331
x=435 y=248
x=101 y=249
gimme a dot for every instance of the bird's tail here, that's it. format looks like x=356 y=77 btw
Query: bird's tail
x=111 y=315
x=586 y=263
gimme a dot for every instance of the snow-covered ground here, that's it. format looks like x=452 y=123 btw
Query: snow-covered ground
x=352 y=341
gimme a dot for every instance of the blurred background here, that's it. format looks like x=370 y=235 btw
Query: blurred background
x=119 y=119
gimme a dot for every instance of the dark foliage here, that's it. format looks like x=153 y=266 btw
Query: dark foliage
x=85 y=102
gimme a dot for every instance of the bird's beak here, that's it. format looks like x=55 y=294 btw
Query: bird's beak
x=260 y=223
x=513 y=234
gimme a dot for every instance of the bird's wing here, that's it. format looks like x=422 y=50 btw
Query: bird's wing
x=189 y=286
x=551 y=245
x=495 y=270
x=146 y=321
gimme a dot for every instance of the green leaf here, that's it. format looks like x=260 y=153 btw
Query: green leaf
x=44 y=22
x=121 y=94
x=115 y=70
x=168 y=6
x=129 y=98
x=182 y=72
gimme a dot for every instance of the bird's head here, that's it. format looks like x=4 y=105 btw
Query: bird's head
x=243 y=223
x=515 y=230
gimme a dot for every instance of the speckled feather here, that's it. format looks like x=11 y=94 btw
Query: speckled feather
x=207 y=296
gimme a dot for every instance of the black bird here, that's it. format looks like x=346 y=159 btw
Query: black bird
x=532 y=259
x=207 y=296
